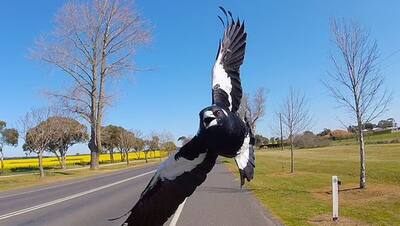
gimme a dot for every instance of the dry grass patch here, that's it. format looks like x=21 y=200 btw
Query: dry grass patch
x=326 y=220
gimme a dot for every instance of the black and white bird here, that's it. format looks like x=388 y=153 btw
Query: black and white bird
x=221 y=132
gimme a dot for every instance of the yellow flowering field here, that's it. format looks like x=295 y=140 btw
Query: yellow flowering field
x=50 y=162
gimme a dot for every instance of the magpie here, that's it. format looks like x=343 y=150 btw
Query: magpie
x=221 y=132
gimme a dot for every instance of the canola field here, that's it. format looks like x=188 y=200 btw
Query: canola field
x=76 y=160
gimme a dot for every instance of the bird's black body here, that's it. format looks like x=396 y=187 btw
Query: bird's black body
x=221 y=132
x=227 y=138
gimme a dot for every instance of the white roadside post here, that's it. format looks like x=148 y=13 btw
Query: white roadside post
x=335 y=198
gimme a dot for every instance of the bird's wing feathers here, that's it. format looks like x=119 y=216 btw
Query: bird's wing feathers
x=245 y=159
x=226 y=84
x=176 y=179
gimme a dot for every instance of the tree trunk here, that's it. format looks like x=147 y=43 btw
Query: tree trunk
x=40 y=159
x=363 y=183
x=291 y=153
x=122 y=156
x=111 y=155
x=127 y=158
x=58 y=159
x=93 y=143
x=145 y=155
x=291 y=158
x=63 y=161
x=94 y=158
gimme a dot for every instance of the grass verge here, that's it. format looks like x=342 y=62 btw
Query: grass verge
x=9 y=183
x=304 y=197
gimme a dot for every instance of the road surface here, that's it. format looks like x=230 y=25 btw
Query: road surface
x=92 y=201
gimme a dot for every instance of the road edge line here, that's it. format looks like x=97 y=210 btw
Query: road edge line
x=50 y=203
x=177 y=214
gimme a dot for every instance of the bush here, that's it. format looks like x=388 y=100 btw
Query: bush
x=308 y=140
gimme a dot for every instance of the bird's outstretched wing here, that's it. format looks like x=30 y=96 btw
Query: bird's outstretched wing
x=176 y=179
x=245 y=158
x=226 y=85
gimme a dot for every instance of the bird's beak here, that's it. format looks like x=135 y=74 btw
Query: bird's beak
x=209 y=119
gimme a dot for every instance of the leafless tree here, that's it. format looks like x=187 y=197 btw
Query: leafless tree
x=154 y=143
x=254 y=108
x=295 y=118
x=167 y=142
x=139 y=144
x=356 y=83
x=93 y=42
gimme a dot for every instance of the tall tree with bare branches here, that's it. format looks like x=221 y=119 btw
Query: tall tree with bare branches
x=356 y=83
x=93 y=42
x=295 y=118
x=253 y=108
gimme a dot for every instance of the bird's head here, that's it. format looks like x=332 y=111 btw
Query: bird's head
x=212 y=116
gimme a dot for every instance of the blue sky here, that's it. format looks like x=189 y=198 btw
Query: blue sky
x=288 y=45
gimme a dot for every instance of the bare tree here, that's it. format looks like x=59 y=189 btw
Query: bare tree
x=167 y=142
x=355 y=83
x=139 y=144
x=254 y=108
x=154 y=143
x=93 y=42
x=295 y=118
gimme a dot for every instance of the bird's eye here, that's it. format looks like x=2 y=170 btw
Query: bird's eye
x=218 y=113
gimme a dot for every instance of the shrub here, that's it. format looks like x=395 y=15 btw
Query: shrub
x=309 y=140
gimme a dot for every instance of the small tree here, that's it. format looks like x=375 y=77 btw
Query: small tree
x=355 y=83
x=126 y=142
x=64 y=133
x=295 y=117
x=254 y=108
x=36 y=133
x=109 y=138
x=154 y=144
x=168 y=146
x=167 y=142
x=7 y=137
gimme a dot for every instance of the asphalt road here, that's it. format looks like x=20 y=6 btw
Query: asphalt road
x=92 y=201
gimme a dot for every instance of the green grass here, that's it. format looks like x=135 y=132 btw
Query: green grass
x=52 y=176
x=304 y=198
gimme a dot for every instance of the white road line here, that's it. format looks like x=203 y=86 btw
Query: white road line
x=29 y=209
x=66 y=184
x=177 y=214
